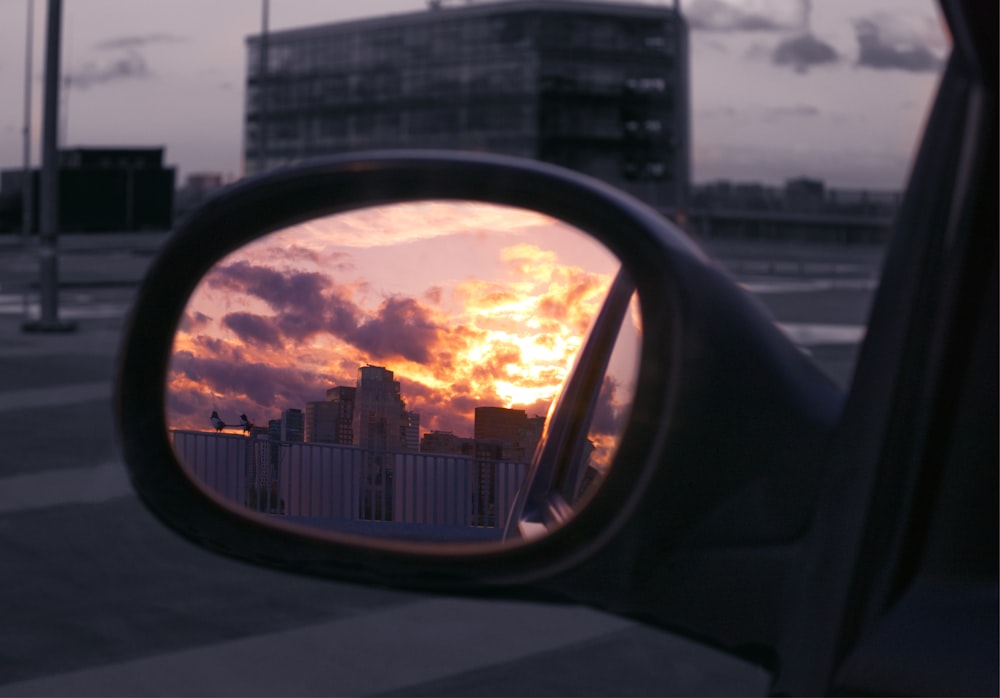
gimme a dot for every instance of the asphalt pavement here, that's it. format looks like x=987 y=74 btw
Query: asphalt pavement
x=100 y=599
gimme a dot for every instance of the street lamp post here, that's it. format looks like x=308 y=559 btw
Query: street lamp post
x=48 y=260
x=27 y=188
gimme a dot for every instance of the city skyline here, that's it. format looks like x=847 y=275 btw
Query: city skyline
x=780 y=88
x=334 y=396
x=451 y=295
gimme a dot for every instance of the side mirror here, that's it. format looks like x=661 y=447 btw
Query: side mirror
x=338 y=271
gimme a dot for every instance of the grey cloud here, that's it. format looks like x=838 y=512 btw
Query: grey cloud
x=254 y=329
x=886 y=42
x=279 y=290
x=264 y=385
x=130 y=66
x=800 y=111
x=134 y=41
x=762 y=15
x=804 y=52
x=401 y=328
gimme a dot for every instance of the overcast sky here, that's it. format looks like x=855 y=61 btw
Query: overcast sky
x=836 y=89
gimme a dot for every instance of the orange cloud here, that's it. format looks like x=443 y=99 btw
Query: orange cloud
x=484 y=319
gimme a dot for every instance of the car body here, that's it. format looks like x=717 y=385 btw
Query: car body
x=846 y=541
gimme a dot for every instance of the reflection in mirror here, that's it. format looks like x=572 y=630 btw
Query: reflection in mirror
x=389 y=371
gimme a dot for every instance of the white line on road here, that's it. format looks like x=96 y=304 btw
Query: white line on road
x=763 y=286
x=52 y=488
x=811 y=334
x=58 y=395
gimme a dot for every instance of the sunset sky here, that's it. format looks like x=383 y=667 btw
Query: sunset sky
x=835 y=89
x=469 y=304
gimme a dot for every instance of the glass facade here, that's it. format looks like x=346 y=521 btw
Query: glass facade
x=597 y=87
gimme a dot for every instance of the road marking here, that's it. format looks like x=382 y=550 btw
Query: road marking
x=811 y=334
x=763 y=286
x=57 y=395
x=368 y=654
x=93 y=311
x=52 y=488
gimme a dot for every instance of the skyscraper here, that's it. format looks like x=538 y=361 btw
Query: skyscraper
x=379 y=420
x=378 y=410
x=600 y=87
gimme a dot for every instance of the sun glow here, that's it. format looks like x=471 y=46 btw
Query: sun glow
x=469 y=304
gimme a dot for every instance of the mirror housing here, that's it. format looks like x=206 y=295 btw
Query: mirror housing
x=728 y=422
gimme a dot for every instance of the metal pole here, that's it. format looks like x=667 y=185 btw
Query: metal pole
x=27 y=191
x=262 y=90
x=48 y=269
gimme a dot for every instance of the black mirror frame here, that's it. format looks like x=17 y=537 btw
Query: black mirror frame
x=646 y=243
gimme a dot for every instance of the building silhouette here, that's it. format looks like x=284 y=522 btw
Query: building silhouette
x=410 y=431
x=293 y=425
x=599 y=87
x=803 y=209
x=507 y=433
x=330 y=420
x=446 y=442
x=378 y=410
x=100 y=190
x=378 y=428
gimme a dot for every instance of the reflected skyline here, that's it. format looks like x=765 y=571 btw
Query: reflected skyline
x=471 y=305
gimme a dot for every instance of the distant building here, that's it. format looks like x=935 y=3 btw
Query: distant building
x=197 y=189
x=598 y=87
x=293 y=425
x=410 y=431
x=803 y=209
x=506 y=433
x=379 y=420
x=330 y=420
x=378 y=410
x=447 y=443
x=104 y=190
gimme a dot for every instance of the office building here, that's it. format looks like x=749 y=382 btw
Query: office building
x=330 y=420
x=599 y=87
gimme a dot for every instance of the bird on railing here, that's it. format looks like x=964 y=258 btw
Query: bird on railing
x=216 y=422
x=246 y=424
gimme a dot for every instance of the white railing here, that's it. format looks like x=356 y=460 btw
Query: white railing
x=329 y=485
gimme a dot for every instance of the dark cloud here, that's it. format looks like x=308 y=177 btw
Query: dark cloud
x=307 y=304
x=804 y=52
x=885 y=43
x=266 y=387
x=255 y=330
x=402 y=327
x=722 y=16
x=130 y=66
x=279 y=290
x=134 y=41
x=191 y=322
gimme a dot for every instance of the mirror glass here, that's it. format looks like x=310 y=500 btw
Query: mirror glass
x=389 y=371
